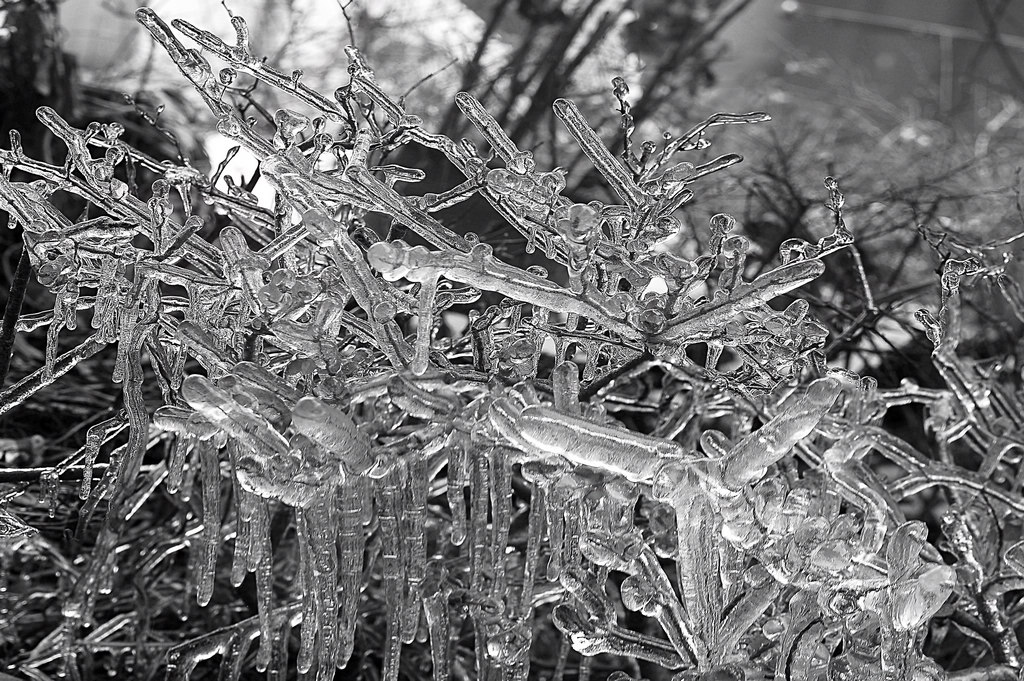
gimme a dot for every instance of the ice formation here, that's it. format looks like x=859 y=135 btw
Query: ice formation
x=303 y=367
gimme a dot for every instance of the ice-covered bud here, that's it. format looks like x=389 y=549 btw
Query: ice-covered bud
x=396 y=261
x=290 y=125
x=503 y=182
x=522 y=163
x=678 y=173
x=579 y=223
x=721 y=224
x=553 y=181
x=794 y=250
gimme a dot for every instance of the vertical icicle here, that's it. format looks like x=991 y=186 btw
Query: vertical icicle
x=188 y=480
x=535 y=536
x=49 y=483
x=562 y=343
x=259 y=532
x=246 y=541
x=175 y=464
x=479 y=536
x=556 y=531
x=277 y=663
x=455 y=490
x=240 y=555
x=389 y=498
x=209 y=542
x=97 y=434
x=565 y=382
x=323 y=525
x=574 y=527
x=269 y=634
x=425 y=328
x=478 y=546
x=307 y=638
x=351 y=502
x=593 y=351
x=435 y=610
x=415 y=540
x=501 y=512
x=699 y=564
x=52 y=338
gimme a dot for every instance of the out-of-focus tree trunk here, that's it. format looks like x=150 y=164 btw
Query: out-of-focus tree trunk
x=34 y=70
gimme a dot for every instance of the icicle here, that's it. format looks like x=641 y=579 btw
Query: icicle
x=425 y=328
x=556 y=531
x=269 y=635
x=105 y=310
x=52 y=336
x=501 y=513
x=586 y=664
x=352 y=500
x=175 y=466
x=49 y=483
x=310 y=614
x=574 y=528
x=209 y=542
x=389 y=498
x=479 y=539
x=734 y=251
x=277 y=665
x=243 y=267
x=243 y=538
x=482 y=340
x=562 y=342
x=456 y=491
x=97 y=434
x=479 y=490
x=323 y=526
x=436 y=611
x=698 y=562
x=592 y=350
x=535 y=535
x=259 y=531
x=416 y=541
x=191 y=469
x=565 y=382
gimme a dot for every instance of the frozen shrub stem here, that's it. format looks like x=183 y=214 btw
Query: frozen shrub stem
x=487 y=485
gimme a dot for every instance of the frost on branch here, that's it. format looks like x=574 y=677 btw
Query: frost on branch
x=558 y=459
